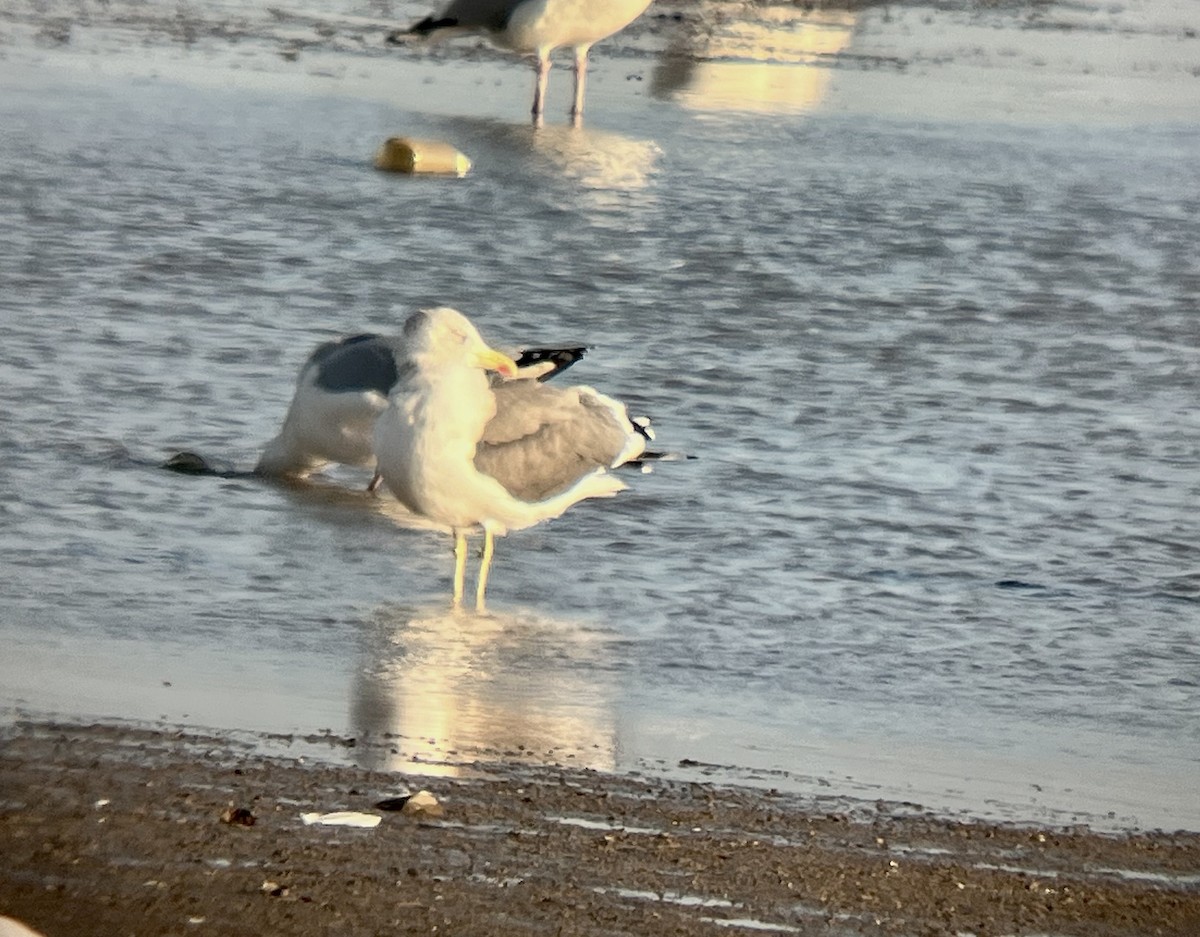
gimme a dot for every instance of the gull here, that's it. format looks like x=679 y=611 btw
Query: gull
x=465 y=453
x=537 y=28
x=343 y=387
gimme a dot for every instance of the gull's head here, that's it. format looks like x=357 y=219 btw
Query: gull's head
x=445 y=336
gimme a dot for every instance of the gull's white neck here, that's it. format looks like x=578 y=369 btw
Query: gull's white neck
x=451 y=407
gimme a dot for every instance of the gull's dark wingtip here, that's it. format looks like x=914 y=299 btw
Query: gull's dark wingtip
x=423 y=28
x=559 y=358
x=650 y=458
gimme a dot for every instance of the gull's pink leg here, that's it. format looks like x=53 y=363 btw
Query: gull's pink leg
x=460 y=566
x=539 y=91
x=581 y=67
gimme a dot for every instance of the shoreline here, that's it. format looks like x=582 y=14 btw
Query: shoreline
x=119 y=830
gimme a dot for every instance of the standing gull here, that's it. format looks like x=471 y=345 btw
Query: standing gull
x=465 y=453
x=538 y=27
x=342 y=389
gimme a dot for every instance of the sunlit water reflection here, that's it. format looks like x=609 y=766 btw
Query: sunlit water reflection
x=941 y=378
x=780 y=62
x=450 y=688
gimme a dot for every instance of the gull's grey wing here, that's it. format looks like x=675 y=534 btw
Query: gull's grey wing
x=358 y=363
x=543 y=439
x=469 y=14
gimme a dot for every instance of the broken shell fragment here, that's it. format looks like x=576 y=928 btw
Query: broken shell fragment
x=422 y=804
x=366 y=821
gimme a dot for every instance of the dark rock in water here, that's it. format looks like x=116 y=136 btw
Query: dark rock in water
x=238 y=816
x=1017 y=584
x=192 y=463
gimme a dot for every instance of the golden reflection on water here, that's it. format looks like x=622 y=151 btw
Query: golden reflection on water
x=779 y=62
x=450 y=688
x=598 y=159
x=583 y=166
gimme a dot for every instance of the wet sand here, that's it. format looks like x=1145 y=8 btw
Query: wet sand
x=112 y=829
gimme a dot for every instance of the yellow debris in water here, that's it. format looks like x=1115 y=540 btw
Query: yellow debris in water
x=406 y=154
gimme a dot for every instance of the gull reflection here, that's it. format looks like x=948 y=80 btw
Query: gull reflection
x=598 y=159
x=592 y=169
x=776 y=62
x=438 y=690
x=583 y=166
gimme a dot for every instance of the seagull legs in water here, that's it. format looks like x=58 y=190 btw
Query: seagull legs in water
x=537 y=27
x=460 y=569
x=542 y=67
x=485 y=566
x=581 y=67
x=460 y=566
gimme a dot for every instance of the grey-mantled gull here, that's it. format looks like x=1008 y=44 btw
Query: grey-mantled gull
x=466 y=453
x=342 y=389
x=537 y=28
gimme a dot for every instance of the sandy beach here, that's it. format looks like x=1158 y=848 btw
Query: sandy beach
x=110 y=830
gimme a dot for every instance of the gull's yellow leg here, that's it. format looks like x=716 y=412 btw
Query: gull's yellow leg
x=460 y=565
x=489 y=547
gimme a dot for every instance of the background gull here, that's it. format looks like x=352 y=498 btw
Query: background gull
x=463 y=453
x=340 y=392
x=538 y=27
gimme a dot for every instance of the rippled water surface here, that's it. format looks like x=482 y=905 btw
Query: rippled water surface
x=941 y=376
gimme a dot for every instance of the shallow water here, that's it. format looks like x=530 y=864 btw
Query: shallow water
x=940 y=372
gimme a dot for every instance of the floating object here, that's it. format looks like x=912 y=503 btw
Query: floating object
x=366 y=821
x=537 y=28
x=427 y=157
x=464 y=453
